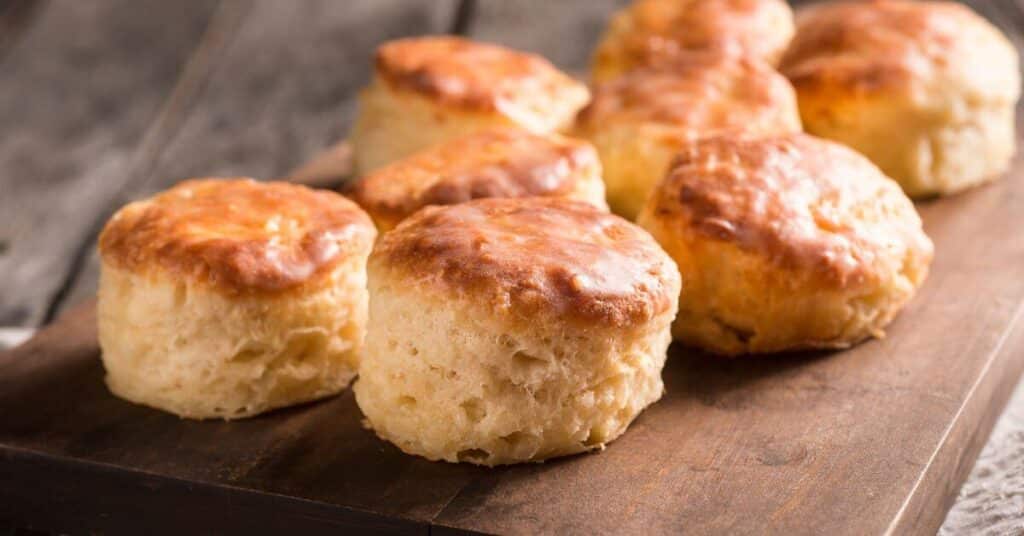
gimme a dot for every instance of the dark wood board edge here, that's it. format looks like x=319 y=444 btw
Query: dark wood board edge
x=108 y=498
x=114 y=500
x=441 y=530
x=933 y=495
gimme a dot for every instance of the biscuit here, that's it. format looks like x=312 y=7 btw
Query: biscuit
x=224 y=298
x=513 y=330
x=650 y=32
x=638 y=121
x=427 y=90
x=785 y=243
x=926 y=90
x=498 y=162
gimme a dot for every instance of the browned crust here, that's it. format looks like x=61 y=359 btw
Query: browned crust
x=533 y=257
x=465 y=73
x=660 y=29
x=238 y=235
x=802 y=202
x=501 y=162
x=699 y=90
x=874 y=46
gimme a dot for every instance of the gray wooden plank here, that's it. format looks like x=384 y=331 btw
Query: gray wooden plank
x=77 y=91
x=565 y=31
x=281 y=93
x=983 y=503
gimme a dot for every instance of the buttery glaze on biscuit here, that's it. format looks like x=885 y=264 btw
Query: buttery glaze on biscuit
x=651 y=32
x=502 y=162
x=785 y=243
x=430 y=90
x=638 y=121
x=469 y=74
x=796 y=200
x=926 y=90
x=703 y=91
x=519 y=329
x=237 y=234
x=882 y=45
x=536 y=255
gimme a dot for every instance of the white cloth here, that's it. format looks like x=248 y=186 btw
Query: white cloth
x=991 y=502
x=11 y=337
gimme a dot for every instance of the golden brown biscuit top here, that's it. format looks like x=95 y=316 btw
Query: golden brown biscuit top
x=502 y=162
x=238 y=234
x=698 y=91
x=472 y=74
x=658 y=29
x=870 y=46
x=536 y=256
x=801 y=201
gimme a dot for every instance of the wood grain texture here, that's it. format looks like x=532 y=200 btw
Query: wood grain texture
x=872 y=440
x=282 y=91
x=83 y=84
x=991 y=500
x=80 y=492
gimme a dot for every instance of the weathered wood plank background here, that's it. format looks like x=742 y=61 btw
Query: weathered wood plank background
x=106 y=101
x=80 y=84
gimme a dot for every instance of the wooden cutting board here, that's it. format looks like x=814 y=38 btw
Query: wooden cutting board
x=872 y=440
